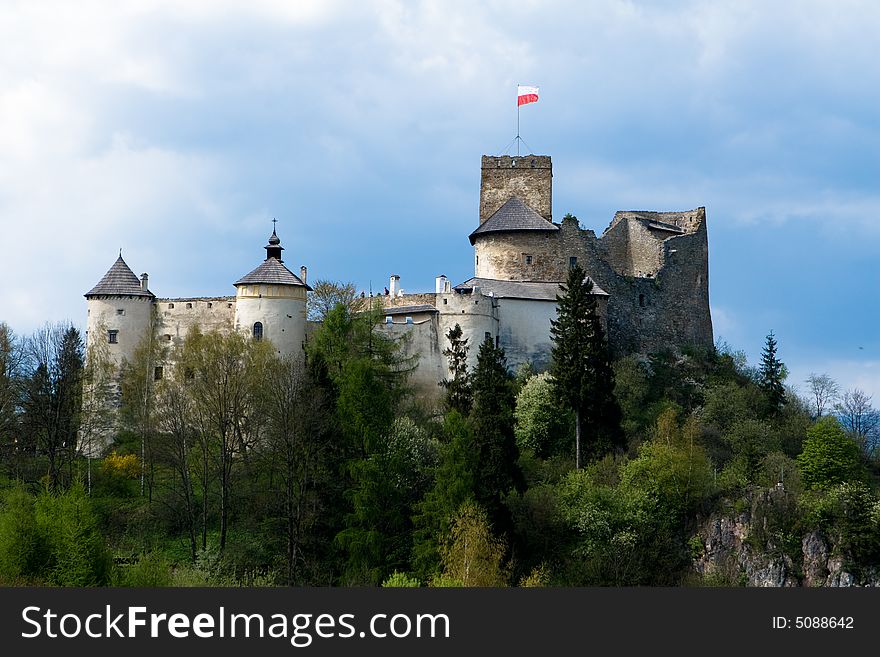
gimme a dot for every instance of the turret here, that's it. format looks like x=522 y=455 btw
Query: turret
x=119 y=311
x=271 y=302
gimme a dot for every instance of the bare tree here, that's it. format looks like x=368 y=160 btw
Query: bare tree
x=859 y=418
x=326 y=295
x=98 y=411
x=176 y=440
x=824 y=392
x=52 y=395
x=11 y=357
x=296 y=450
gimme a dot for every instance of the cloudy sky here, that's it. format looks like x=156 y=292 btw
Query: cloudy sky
x=177 y=129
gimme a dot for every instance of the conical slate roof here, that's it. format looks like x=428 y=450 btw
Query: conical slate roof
x=119 y=280
x=271 y=272
x=514 y=215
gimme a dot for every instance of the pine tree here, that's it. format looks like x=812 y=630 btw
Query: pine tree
x=772 y=373
x=458 y=389
x=581 y=367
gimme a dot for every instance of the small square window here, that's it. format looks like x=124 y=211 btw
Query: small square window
x=113 y=337
x=210 y=305
x=527 y=258
x=167 y=337
x=157 y=374
x=572 y=262
x=445 y=301
x=189 y=306
x=229 y=305
x=409 y=320
x=389 y=319
x=170 y=306
x=487 y=336
x=120 y=311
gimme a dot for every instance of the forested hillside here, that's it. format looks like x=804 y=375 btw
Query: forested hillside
x=236 y=468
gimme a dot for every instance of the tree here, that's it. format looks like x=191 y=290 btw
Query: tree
x=824 y=392
x=459 y=395
x=98 y=413
x=859 y=418
x=495 y=441
x=11 y=355
x=581 y=367
x=52 y=395
x=297 y=452
x=829 y=456
x=541 y=425
x=326 y=295
x=226 y=387
x=472 y=555
x=771 y=375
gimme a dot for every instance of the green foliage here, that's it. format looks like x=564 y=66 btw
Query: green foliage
x=581 y=367
x=53 y=539
x=459 y=395
x=772 y=374
x=401 y=580
x=849 y=514
x=829 y=457
x=471 y=554
x=493 y=431
x=541 y=425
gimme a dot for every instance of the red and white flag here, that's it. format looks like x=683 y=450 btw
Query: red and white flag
x=525 y=95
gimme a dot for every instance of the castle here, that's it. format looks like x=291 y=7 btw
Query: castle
x=649 y=270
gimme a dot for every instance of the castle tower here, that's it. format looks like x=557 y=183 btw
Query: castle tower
x=119 y=311
x=529 y=177
x=271 y=302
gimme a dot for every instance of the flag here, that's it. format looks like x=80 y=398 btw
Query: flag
x=525 y=95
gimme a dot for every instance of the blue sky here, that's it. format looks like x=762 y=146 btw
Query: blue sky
x=177 y=130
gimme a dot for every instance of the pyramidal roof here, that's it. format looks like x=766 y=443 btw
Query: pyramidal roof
x=119 y=280
x=514 y=215
x=271 y=272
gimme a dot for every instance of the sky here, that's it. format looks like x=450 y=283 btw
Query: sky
x=177 y=130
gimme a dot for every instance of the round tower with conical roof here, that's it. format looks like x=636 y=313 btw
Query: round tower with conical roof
x=119 y=311
x=270 y=302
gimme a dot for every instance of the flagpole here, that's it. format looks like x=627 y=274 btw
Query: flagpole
x=517 y=127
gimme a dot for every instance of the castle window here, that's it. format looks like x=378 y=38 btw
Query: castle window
x=527 y=258
x=478 y=261
x=113 y=337
x=170 y=306
x=487 y=336
x=157 y=373
x=497 y=341
x=642 y=300
x=210 y=305
x=120 y=311
x=572 y=262
x=229 y=305
x=389 y=319
x=167 y=337
x=445 y=301
x=189 y=306
x=409 y=320
x=258 y=331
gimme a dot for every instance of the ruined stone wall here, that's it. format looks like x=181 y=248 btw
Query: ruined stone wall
x=529 y=177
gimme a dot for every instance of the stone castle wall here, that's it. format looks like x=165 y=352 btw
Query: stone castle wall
x=177 y=316
x=529 y=177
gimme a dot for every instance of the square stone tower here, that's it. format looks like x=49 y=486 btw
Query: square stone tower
x=529 y=177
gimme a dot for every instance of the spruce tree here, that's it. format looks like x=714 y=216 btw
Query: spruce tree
x=581 y=368
x=771 y=375
x=458 y=388
x=493 y=422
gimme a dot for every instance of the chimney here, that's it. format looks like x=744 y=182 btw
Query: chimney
x=394 y=286
x=144 y=280
x=303 y=272
x=440 y=284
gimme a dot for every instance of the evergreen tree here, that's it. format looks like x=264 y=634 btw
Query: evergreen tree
x=771 y=375
x=494 y=438
x=458 y=389
x=581 y=367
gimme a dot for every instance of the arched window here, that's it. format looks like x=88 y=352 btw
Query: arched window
x=258 y=330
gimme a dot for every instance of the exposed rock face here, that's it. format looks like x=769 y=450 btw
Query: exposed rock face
x=729 y=557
